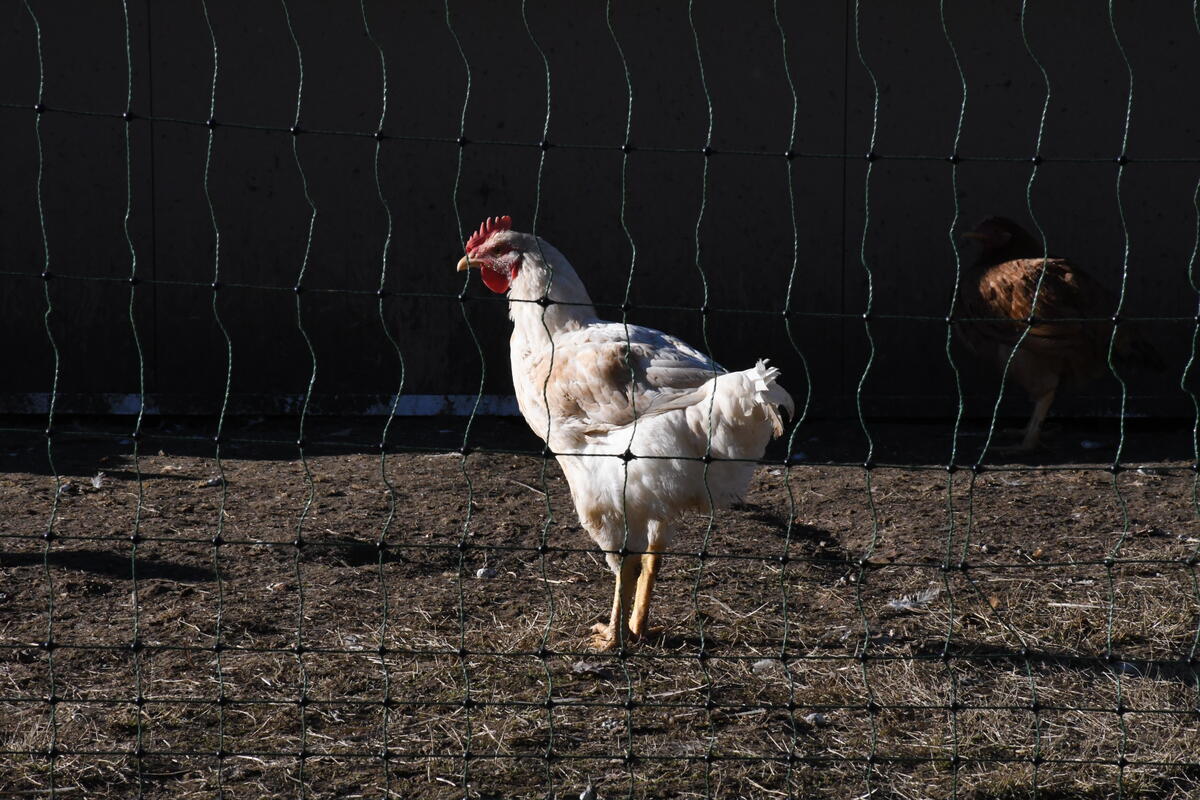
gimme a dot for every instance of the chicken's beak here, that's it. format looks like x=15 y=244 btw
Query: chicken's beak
x=464 y=264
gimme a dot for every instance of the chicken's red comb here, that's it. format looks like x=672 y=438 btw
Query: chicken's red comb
x=490 y=225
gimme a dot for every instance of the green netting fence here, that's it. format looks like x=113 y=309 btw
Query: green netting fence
x=797 y=662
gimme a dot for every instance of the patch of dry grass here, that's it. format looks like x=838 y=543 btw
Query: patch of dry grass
x=1023 y=700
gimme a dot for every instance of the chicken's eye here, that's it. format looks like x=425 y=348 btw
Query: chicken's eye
x=501 y=250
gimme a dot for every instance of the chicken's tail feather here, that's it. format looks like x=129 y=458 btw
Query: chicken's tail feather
x=769 y=395
x=753 y=394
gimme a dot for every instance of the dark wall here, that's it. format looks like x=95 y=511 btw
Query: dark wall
x=755 y=242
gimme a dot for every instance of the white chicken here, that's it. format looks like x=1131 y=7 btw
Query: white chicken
x=645 y=427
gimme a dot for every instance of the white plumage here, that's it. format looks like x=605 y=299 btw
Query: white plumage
x=599 y=392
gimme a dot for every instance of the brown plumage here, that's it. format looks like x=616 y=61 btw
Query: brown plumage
x=1059 y=350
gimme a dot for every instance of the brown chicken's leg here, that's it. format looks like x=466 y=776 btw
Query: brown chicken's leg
x=1033 y=430
x=606 y=637
x=641 y=601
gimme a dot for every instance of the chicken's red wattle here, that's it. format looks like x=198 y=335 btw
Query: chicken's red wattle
x=497 y=280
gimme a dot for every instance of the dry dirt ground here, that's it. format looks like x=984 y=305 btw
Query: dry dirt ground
x=819 y=649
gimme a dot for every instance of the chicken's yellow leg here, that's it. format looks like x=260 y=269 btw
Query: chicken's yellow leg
x=641 y=601
x=1032 y=432
x=1034 y=429
x=606 y=637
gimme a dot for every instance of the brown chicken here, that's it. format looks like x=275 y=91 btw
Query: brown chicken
x=1060 y=349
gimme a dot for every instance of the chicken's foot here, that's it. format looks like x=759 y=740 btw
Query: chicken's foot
x=606 y=636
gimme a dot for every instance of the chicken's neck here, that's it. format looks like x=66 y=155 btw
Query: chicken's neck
x=566 y=307
x=1021 y=247
x=537 y=324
